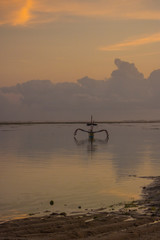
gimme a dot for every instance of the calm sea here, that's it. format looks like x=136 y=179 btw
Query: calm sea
x=40 y=163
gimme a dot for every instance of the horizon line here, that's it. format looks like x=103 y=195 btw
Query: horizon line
x=75 y=122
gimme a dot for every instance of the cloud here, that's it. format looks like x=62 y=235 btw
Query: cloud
x=24 y=15
x=132 y=43
x=15 y=12
x=127 y=83
x=126 y=94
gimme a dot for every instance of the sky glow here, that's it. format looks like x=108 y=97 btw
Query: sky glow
x=64 y=40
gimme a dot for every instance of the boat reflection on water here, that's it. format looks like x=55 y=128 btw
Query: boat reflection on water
x=91 y=143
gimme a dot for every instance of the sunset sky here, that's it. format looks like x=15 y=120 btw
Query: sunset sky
x=65 y=40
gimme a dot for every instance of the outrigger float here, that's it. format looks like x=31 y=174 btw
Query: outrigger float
x=90 y=131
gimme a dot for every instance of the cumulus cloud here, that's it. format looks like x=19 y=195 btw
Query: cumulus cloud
x=125 y=95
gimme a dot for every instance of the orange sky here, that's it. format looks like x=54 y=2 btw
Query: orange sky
x=65 y=40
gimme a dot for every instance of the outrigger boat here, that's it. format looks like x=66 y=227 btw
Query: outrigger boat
x=90 y=131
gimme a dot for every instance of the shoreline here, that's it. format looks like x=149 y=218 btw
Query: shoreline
x=138 y=219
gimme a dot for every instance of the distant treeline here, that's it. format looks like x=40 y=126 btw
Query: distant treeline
x=78 y=122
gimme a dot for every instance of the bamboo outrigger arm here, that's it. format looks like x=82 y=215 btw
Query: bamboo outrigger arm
x=80 y=129
x=102 y=130
x=91 y=132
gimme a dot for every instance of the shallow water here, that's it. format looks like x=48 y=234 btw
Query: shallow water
x=40 y=163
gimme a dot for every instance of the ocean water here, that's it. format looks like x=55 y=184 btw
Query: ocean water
x=40 y=163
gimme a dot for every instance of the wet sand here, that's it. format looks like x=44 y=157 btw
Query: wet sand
x=135 y=220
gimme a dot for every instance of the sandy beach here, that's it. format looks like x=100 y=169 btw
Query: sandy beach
x=134 y=220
